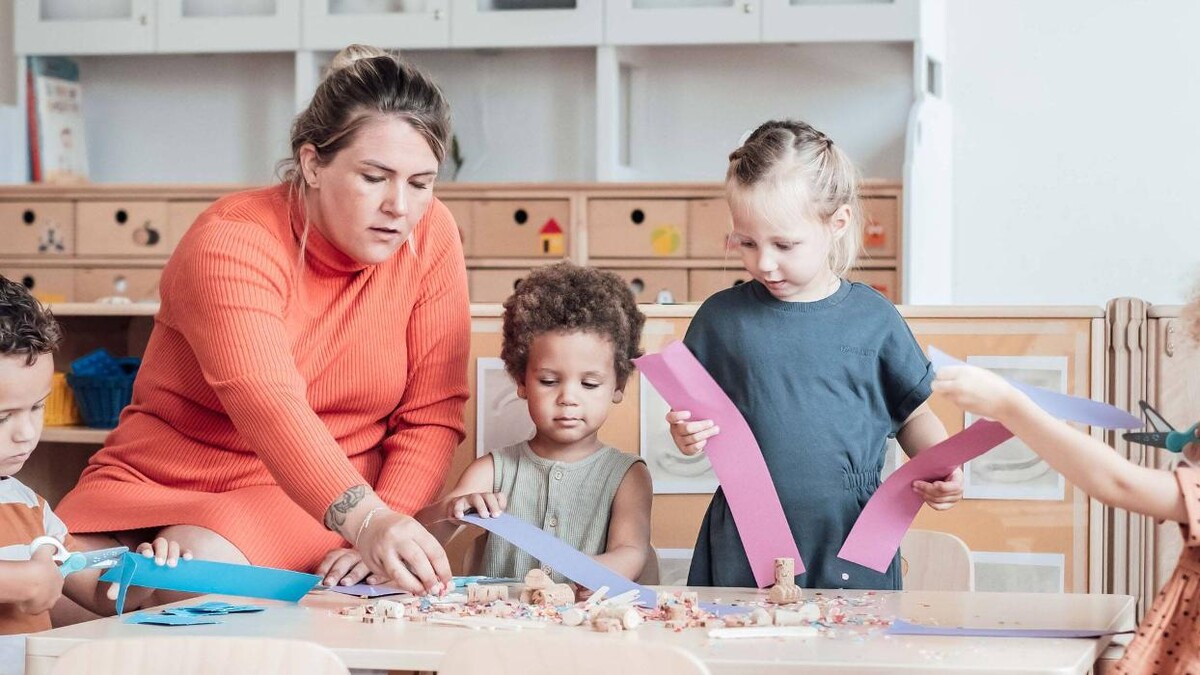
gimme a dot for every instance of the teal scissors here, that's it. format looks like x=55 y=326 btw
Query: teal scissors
x=1164 y=434
x=69 y=563
x=463 y=582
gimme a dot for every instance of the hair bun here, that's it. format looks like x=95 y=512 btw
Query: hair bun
x=352 y=53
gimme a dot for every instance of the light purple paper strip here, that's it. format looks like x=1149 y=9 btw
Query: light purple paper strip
x=1062 y=406
x=901 y=627
x=554 y=552
x=876 y=535
x=366 y=590
x=735 y=457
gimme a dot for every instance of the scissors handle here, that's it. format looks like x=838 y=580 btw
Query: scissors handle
x=1177 y=440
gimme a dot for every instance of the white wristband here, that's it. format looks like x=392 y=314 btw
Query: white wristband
x=366 y=521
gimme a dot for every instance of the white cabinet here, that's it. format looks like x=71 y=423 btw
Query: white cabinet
x=84 y=26
x=329 y=25
x=526 y=23
x=663 y=22
x=840 y=20
x=228 y=25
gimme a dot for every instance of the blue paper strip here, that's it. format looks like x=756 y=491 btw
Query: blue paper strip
x=565 y=560
x=206 y=576
x=168 y=619
x=902 y=627
x=1062 y=406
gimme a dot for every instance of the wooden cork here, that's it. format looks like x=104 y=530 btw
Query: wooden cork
x=785 y=571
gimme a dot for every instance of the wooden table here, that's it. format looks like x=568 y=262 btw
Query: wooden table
x=402 y=645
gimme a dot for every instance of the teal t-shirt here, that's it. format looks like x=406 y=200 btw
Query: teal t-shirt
x=822 y=385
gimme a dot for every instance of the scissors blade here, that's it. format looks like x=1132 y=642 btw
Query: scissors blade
x=1157 y=439
x=105 y=557
x=1155 y=420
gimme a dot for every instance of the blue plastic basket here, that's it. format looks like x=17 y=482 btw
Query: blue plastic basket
x=103 y=386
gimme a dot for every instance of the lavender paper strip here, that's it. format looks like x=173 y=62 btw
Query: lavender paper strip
x=552 y=551
x=366 y=590
x=1062 y=406
x=901 y=627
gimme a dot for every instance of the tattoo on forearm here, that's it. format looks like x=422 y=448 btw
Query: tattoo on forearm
x=335 y=517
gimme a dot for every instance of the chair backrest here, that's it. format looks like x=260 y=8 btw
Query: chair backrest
x=527 y=653
x=936 y=561
x=193 y=655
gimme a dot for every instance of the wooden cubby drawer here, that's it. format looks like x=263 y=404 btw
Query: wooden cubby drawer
x=488 y=285
x=520 y=228
x=37 y=228
x=703 y=283
x=709 y=224
x=881 y=220
x=637 y=228
x=180 y=216
x=886 y=281
x=48 y=284
x=650 y=285
x=461 y=210
x=138 y=284
x=132 y=228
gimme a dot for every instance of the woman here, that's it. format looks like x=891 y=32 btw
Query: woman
x=304 y=384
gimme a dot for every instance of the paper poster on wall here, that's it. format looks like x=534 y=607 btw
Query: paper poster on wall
x=1012 y=470
x=672 y=471
x=501 y=417
x=673 y=566
x=1007 y=572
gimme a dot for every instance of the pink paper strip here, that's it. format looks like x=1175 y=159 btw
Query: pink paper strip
x=735 y=456
x=876 y=535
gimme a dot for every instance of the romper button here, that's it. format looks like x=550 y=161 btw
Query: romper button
x=558 y=475
x=553 y=521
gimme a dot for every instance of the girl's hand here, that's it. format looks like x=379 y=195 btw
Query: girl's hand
x=690 y=437
x=45 y=583
x=395 y=546
x=486 y=504
x=977 y=391
x=164 y=553
x=943 y=494
x=345 y=566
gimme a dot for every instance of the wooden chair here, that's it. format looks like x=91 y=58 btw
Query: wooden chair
x=192 y=655
x=526 y=653
x=936 y=561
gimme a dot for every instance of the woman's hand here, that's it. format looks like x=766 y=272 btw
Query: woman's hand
x=486 y=504
x=345 y=567
x=690 y=437
x=44 y=582
x=397 y=547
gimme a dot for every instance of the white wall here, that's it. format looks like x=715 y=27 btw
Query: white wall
x=8 y=60
x=1077 y=132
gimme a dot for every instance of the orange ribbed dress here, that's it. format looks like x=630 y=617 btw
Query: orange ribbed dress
x=267 y=390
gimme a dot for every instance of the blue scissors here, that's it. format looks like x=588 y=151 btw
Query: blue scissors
x=463 y=582
x=1164 y=434
x=70 y=563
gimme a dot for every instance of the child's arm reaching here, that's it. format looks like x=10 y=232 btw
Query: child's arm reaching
x=473 y=491
x=628 y=545
x=1096 y=468
x=32 y=585
x=923 y=430
x=86 y=589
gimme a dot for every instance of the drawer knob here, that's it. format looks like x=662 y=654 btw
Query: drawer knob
x=521 y=216
x=121 y=216
x=28 y=216
x=638 y=216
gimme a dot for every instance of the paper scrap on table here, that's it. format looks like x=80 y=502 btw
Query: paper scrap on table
x=213 y=608
x=901 y=627
x=366 y=590
x=206 y=576
x=1062 y=406
x=735 y=457
x=168 y=619
x=876 y=535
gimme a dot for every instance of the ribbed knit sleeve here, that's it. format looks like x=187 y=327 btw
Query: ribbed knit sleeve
x=229 y=288
x=428 y=424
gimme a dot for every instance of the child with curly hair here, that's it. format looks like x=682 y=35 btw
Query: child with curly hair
x=570 y=336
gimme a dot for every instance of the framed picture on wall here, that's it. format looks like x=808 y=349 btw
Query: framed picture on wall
x=1018 y=572
x=672 y=471
x=1012 y=470
x=501 y=417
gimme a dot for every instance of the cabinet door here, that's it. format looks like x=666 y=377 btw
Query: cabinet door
x=520 y=228
x=47 y=284
x=709 y=225
x=93 y=284
x=180 y=216
x=66 y=27
x=703 y=283
x=526 y=23
x=333 y=24
x=637 y=228
x=840 y=20
x=881 y=223
x=659 y=22
x=224 y=26
x=661 y=285
x=122 y=228
x=494 y=285
x=461 y=210
x=37 y=228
